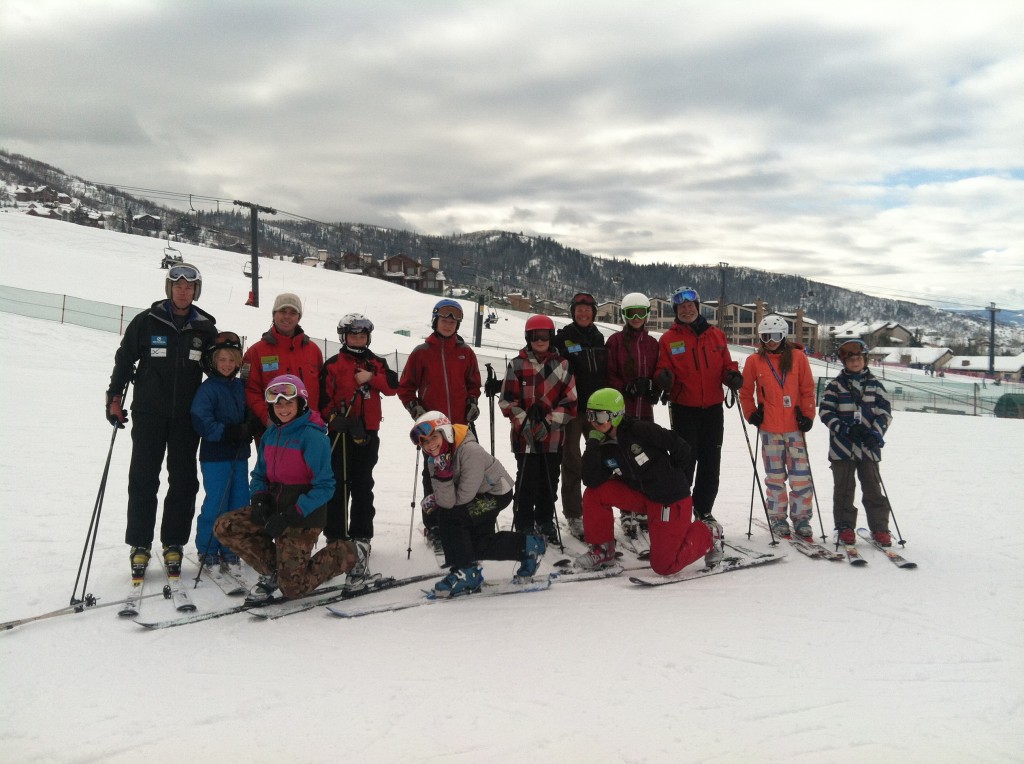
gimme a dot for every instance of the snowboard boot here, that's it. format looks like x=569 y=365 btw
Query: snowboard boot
x=459 y=582
x=534 y=549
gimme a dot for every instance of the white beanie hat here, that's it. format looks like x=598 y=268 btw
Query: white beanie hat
x=288 y=300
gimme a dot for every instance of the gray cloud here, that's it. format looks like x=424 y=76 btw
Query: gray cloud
x=779 y=135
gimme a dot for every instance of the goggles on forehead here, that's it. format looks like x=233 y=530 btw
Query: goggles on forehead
x=584 y=298
x=538 y=335
x=186 y=272
x=281 y=391
x=599 y=417
x=685 y=295
x=633 y=313
x=421 y=432
x=450 y=312
x=772 y=337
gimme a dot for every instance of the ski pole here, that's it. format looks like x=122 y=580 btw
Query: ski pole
x=412 y=504
x=753 y=462
x=814 y=490
x=94 y=521
x=881 y=484
x=489 y=389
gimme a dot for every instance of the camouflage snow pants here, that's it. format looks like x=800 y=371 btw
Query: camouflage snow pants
x=298 y=573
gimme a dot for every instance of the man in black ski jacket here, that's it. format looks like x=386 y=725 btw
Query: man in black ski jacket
x=166 y=343
x=581 y=343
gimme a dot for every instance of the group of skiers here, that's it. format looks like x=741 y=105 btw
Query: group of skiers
x=317 y=425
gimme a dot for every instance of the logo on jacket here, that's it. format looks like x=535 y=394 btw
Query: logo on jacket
x=270 y=362
x=677 y=347
x=158 y=341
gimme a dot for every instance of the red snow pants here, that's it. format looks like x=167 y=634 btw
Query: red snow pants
x=676 y=541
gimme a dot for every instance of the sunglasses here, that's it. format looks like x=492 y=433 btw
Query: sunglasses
x=453 y=313
x=633 y=313
x=599 y=417
x=685 y=295
x=538 y=335
x=186 y=272
x=281 y=391
x=767 y=337
x=583 y=298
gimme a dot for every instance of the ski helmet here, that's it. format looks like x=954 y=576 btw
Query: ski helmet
x=635 y=305
x=185 y=271
x=772 y=328
x=446 y=308
x=355 y=323
x=430 y=422
x=223 y=341
x=539 y=323
x=685 y=294
x=582 y=298
x=608 y=399
x=289 y=387
x=851 y=347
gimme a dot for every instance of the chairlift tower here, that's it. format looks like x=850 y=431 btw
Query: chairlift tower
x=254 y=210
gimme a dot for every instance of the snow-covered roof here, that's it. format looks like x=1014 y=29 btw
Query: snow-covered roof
x=1002 y=363
x=916 y=355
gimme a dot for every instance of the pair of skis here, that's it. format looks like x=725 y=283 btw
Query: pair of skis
x=173 y=590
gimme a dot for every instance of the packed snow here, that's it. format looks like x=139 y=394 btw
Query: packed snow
x=801 y=661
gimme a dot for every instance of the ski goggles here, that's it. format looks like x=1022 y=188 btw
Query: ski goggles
x=281 y=391
x=767 y=337
x=848 y=356
x=187 y=272
x=538 y=335
x=450 y=311
x=584 y=298
x=362 y=326
x=600 y=417
x=685 y=295
x=633 y=313
x=421 y=433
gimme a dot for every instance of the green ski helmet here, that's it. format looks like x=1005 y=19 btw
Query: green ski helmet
x=608 y=399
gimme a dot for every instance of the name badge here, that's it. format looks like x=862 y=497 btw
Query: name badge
x=574 y=348
x=270 y=362
x=158 y=352
x=195 y=355
x=787 y=402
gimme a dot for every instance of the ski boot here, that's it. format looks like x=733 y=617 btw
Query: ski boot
x=263 y=590
x=630 y=525
x=360 y=571
x=460 y=581
x=534 y=549
x=139 y=557
x=803 y=530
x=172 y=559
x=714 y=557
x=599 y=556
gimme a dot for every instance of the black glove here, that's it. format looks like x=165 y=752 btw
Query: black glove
x=339 y=423
x=630 y=390
x=756 y=418
x=416 y=409
x=734 y=380
x=255 y=425
x=115 y=414
x=237 y=433
x=803 y=422
x=472 y=410
x=262 y=504
x=276 y=525
x=859 y=434
x=492 y=387
x=664 y=380
x=535 y=413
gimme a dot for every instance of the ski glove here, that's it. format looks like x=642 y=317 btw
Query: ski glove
x=664 y=380
x=734 y=380
x=535 y=413
x=803 y=422
x=638 y=388
x=237 y=433
x=262 y=504
x=756 y=418
x=278 y=523
x=860 y=434
x=472 y=410
x=492 y=387
x=339 y=423
x=428 y=504
x=115 y=413
x=416 y=409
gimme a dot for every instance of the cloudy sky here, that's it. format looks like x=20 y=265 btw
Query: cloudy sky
x=878 y=146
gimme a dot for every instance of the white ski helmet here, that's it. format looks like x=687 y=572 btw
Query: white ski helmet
x=636 y=300
x=185 y=271
x=772 y=324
